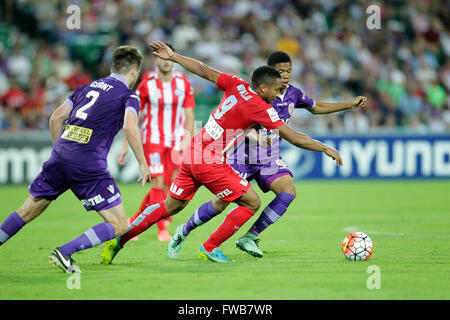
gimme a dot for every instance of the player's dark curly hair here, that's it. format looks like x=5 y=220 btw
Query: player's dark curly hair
x=126 y=57
x=278 y=57
x=264 y=74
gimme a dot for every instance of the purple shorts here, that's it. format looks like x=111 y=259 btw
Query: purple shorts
x=96 y=189
x=264 y=174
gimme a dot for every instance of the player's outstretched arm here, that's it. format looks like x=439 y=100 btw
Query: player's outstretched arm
x=322 y=107
x=304 y=141
x=133 y=136
x=199 y=68
x=57 y=119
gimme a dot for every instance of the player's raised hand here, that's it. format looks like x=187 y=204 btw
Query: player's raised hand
x=161 y=50
x=145 y=174
x=359 y=101
x=334 y=154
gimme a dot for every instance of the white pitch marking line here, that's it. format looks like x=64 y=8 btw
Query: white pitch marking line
x=413 y=235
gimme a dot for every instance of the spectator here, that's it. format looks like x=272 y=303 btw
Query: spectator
x=33 y=108
x=14 y=100
x=79 y=77
x=403 y=68
x=18 y=65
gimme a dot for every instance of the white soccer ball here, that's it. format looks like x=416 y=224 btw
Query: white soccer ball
x=357 y=246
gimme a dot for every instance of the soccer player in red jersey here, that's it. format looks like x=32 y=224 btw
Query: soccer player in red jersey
x=167 y=105
x=243 y=106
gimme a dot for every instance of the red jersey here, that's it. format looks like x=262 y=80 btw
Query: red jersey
x=163 y=104
x=240 y=110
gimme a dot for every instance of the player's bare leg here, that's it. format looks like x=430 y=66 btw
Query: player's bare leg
x=117 y=218
x=169 y=219
x=115 y=224
x=145 y=220
x=248 y=204
x=285 y=193
x=155 y=195
x=31 y=208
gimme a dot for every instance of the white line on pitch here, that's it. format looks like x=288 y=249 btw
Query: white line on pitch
x=412 y=235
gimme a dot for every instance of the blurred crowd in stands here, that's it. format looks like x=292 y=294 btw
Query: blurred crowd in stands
x=403 y=67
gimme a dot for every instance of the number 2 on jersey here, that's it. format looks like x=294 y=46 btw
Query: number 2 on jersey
x=81 y=113
x=226 y=106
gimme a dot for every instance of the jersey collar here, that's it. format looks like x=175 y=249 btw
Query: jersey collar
x=281 y=96
x=120 y=78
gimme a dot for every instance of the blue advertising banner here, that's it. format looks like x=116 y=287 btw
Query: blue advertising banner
x=374 y=157
x=364 y=157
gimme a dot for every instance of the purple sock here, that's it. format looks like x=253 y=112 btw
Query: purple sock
x=203 y=214
x=272 y=212
x=10 y=226
x=91 y=238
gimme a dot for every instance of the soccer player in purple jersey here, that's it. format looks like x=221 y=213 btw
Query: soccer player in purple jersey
x=95 y=113
x=258 y=157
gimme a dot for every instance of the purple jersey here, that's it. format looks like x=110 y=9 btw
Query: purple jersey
x=250 y=152
x=98 y=110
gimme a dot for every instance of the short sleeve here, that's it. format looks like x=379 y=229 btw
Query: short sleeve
x=142 y=92
x=71 y=99
x=304 y=101
x=189 y=101
x=225 y=81
x=268 y=118
x=132 y=103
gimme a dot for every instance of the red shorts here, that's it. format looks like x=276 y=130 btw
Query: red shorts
x=162 y=161
x=219 y=178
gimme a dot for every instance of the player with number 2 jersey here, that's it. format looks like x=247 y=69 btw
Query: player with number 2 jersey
x=82 y=130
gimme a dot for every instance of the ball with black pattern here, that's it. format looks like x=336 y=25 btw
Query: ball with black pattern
x=357 y=246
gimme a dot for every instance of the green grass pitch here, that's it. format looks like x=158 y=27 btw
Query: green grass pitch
x=408 y=221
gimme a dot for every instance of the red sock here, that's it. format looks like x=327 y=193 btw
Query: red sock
x=157 y=196
x=151 y=215
x=233 y=221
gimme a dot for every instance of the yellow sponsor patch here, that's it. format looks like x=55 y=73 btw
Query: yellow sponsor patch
x=77 y=134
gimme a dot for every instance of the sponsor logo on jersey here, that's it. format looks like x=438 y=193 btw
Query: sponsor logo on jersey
x=213 y=128
x=273 y=114
x=77 y=134
x=156 y=93
x=176 y=190
x=224 y=193
x=93 y=201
